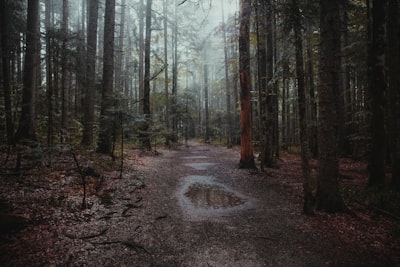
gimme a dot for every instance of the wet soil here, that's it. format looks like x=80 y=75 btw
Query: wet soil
x=188 y=207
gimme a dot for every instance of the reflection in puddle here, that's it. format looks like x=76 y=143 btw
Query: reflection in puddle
x=202 y=197
x=194 y=157
x=201 y=166
x=212 y=196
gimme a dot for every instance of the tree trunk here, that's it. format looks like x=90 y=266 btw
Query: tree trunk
x=26 y=128
x=262 y=83
x=267 y=97
x=5 y=54
x=119 y=77
x=64 y=72
x=227 y=84
x=141 y=53
x=313 y=131
x=146 y=89
x=393 y=66
x=376 y=88
x=107 y=102
x=206 y=102
x=90 y=86
x=328 y=195
x=49 y=78
x=166 y=82
x=246 y=125
x=305 y=158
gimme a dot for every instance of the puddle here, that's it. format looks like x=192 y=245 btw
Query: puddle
x=202 y=197
x=212 y=196
x=194 y=157
x=201 y=166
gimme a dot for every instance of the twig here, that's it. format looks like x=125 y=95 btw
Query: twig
x=95 y=235
x=182 y=2
x=129 y=243
x=136 y=246
x=131 y=206
x=161 y=217
x=83 y=176
x=87 y=236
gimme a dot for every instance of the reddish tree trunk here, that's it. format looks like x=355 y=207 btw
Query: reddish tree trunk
x=246 y=126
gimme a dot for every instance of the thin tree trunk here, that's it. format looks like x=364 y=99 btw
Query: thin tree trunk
x=141 y=55
x=227 y=85
x=206 y=106
x=64 y=72
x=146 y=89
x=119 y=78
x=246 y=125
x=305 y=158
x=313 y=131
x=166 y=82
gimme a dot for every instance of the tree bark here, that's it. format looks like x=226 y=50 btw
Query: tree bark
x=166 y=79
x=107 y=102
x=376 y=88
x=146 y=89
x=64 y=72
x=301 y=96
x=227 y=84
x=393 y=66
x=90 y=87
x=246 y=125
x=328 y=195
x=5 y=54
x=27 y=122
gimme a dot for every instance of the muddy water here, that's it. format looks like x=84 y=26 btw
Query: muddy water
x=203 y=197
x=200 y=166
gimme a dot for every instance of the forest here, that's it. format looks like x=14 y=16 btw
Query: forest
x=94 y=91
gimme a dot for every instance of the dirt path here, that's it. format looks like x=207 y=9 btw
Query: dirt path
x=185 y=207
x=266 y=230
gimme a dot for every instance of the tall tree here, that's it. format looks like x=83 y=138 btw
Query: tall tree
x=393 y=66
x=141 y=54
x=119 y=77
x=301 y=97
x=146 y=89
x=27 y=122
x=5 y=32
x=227 y=82
x=107 y=99
x=166 y=82
x=90 y=86
x=64 y=71
x=376 y=89
x=262 y=82
x=206 y=106
x=328 y=195
x=246 y=125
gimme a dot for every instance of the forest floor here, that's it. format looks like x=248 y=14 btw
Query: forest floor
x=189 y=206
